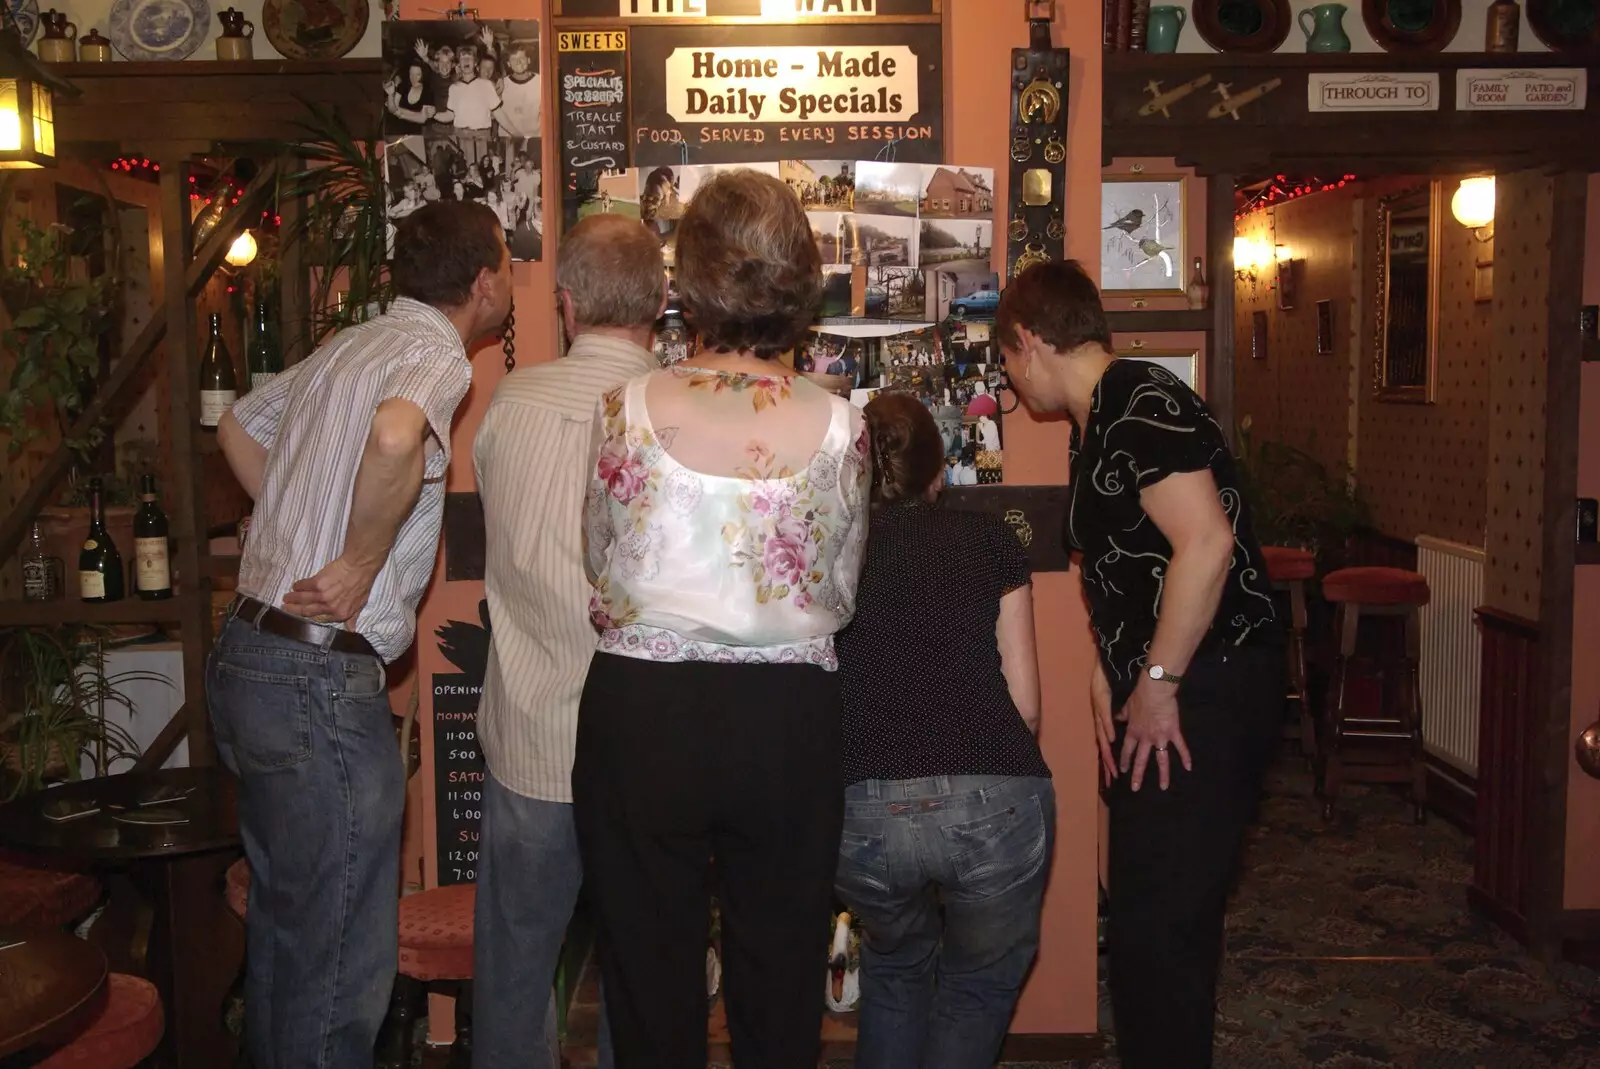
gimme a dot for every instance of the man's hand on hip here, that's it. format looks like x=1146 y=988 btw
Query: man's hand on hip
x=336 y=594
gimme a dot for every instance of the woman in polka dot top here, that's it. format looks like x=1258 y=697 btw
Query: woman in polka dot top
x=948 y=801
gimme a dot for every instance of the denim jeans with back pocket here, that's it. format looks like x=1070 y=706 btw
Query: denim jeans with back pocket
x=309 y=734
x=938 y=993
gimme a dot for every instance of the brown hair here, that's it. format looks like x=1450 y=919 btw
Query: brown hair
x=907 y=449
x=1057 y=301
x=748 y=268
x=610 y=266
x=441 y=248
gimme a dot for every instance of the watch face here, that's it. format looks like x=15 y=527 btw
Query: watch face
x=1156 y=671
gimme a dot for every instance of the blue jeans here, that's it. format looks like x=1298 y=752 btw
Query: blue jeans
x=308 y=733
x=940 y=995
x=529 y=875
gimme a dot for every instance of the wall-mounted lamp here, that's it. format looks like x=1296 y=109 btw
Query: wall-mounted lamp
x=1245 y=260
x=243 y=250
x=1473 y=206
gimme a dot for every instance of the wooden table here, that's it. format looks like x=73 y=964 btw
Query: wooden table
x=53 y=983
x=166 y=919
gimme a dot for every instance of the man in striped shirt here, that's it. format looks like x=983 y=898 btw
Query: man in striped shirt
x=345 y=456
x=533 y=455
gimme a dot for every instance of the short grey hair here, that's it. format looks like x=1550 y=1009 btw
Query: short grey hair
x=611 y=268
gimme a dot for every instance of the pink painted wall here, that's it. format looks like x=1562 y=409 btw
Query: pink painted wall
x=1583 y=793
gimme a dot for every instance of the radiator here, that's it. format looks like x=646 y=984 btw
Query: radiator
x=1451 y=650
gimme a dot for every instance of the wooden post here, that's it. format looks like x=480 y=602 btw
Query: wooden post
x=187 y=501
x=294 y=289
x=1219 y=256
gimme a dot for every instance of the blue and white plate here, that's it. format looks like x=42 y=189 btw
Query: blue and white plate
x=25 y=16
x=159 y=29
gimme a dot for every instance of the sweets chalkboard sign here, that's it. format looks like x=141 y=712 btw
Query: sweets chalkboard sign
x=593 y=94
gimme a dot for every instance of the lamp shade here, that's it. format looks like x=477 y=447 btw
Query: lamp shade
x=243 y=250
x=1473 y=203
x=27 y=105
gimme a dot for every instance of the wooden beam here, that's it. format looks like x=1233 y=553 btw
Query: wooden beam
x=155 y=755
x=186 y=493
x=1219 y=267
x=67 y=611
x=1552 y=731
x=113 y=393
x=294 y=282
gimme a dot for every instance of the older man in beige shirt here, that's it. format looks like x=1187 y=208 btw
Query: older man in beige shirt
x=533 y=457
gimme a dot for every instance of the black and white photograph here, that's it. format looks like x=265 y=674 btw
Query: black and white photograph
x=889 y=240
x=956 y=192
x=462 y=102
x=888 y=188
x=956 y=242
x=821 y=185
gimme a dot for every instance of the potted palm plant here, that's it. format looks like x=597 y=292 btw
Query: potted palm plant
x=53 y=689
x=1296 y=500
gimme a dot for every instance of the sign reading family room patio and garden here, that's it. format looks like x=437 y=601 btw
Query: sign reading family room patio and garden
x=735 y=94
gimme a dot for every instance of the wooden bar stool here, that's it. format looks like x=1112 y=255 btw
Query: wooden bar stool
x=126 y=1030
x=1396 y=723
x=1289 y=568
x=35 y=895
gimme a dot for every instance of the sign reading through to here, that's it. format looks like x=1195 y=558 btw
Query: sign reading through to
x=749 y=85
x=1372 y=92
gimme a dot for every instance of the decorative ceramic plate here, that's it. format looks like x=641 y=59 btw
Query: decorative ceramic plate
x=25 y=16
x=159 y=29
x=314 y=29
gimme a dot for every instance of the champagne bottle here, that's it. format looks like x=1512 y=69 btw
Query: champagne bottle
x=99 y=565
x=38 y=580
x=152 y=567
x=262 y=353
x=219 y=387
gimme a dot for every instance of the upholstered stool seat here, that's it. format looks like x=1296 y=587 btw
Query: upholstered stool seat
x=436 y=933
x=236 y=887
x=1380 y=742
x=124 y=1033
x=1375 y=586
x=1286 y=564
x=32 y=894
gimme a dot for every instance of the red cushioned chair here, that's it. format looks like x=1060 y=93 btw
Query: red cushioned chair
x=1289 y=568
x=34 y=895
x=1362 y=744
x=125 y=1032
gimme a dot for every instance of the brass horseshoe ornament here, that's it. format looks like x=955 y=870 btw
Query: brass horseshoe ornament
x=1040 y=101
x=1033 y=254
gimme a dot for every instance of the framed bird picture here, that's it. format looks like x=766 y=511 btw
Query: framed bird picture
x=1142 y=243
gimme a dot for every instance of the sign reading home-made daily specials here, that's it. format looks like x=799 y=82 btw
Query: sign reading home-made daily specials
x=1369 y=91
x=749 y=93
x=718 y=9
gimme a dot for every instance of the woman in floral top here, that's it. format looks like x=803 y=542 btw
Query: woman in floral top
x=725 y=526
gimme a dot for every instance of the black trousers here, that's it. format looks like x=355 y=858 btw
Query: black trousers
x=690 y=775
x=1174 y=855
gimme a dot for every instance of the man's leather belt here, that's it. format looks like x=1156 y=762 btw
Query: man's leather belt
x=285 y=625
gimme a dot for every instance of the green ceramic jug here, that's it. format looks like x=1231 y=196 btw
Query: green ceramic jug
x=1325 y=32
x=1166 y=23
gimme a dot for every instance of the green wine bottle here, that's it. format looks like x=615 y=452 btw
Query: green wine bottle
x=262 y=353
x=99 y=564
x=152 y=565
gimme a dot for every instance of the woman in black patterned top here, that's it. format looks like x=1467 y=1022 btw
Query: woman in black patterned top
x=1189 y=684
x=948 y=801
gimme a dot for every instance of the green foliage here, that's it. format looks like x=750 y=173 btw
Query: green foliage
x=54 y=684
x=343 y=229
x=1295 y=500
x=54 y=337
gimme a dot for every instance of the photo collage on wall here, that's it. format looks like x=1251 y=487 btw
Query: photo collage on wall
x=921 y=236
x=462 y=120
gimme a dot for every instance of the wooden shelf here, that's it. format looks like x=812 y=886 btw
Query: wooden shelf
x=1148 y=321
x=127 y=611
x=1586 y=553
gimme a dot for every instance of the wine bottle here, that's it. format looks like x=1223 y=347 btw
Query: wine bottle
x=1198 y=291
x=152 y=567
x=38 y=579
x=262 y=353
x=219 y=387
x=99 y=565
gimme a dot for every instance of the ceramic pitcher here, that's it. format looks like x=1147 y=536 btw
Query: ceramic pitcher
x=1325 y=31
x=93 y=48
x=1166 y=23
x=236 y=33
x=59 y=43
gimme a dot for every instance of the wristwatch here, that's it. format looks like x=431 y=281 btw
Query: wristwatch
x=1161 y=675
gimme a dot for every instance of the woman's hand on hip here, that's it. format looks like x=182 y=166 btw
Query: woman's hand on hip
x=1152 y=716
x=1105 y=728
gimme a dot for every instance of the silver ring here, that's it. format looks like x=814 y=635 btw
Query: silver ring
x=1161 y=749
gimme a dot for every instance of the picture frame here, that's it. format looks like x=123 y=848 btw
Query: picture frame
x=1143 y=244
x=1258 y=335
x=1324 y=328
x=1183 y=364
x=1406 y=298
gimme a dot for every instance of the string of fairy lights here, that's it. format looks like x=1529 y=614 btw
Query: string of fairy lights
x=1280 y=190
